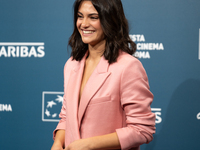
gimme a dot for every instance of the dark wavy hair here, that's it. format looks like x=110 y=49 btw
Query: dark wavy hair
x=114 y=25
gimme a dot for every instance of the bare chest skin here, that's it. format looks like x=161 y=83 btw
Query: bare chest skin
x=88 y=70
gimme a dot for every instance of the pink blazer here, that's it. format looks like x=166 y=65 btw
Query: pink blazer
x=116 y=98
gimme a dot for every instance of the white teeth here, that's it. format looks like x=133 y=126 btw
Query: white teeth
x=88 y=32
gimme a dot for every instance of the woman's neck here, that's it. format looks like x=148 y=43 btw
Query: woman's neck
x=96 y=51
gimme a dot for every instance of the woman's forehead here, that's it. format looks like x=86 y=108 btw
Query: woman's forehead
x=87 y=7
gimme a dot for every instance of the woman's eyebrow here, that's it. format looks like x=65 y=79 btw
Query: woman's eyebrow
x=93 y=14
x=89 y=14
x=80 y=13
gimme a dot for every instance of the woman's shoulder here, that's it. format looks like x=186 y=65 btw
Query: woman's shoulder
x=127 y=59
x=129 y=64
x=70 y=63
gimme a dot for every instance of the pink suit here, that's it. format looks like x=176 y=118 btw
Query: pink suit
x=116 y=98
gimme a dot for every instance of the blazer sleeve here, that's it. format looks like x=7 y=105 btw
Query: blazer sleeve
x=62 y=115
x=136 y=99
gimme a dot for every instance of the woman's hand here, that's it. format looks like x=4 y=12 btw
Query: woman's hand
x=108 y=141
x=56 y=147
x=82 y=144
x=59 y=140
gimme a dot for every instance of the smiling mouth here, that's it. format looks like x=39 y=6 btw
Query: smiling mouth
x=88 y=32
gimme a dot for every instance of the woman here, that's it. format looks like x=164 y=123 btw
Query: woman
x=107 y=99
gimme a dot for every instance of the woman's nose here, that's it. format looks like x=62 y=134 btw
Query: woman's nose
x=85 y=22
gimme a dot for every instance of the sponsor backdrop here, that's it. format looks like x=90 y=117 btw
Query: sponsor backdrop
x=33 y=51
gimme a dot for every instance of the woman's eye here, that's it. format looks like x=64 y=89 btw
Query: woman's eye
x=79 y=16
x=94 y=17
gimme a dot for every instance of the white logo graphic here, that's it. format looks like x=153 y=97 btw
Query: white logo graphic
x=22 y=50
x=144 y=48
x=5 y=107
x=157 y=112
x=198 y=116
x=51 y=106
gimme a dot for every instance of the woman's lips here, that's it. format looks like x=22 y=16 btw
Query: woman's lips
x=87 y=32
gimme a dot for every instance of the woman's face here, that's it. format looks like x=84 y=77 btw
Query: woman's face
x=88 y=24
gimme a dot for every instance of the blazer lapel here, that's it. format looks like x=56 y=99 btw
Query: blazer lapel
x=72 y=95
x=95 y=81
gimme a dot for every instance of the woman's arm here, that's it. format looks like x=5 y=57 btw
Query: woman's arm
x=108 y=141
x=136 y=99
x=59 y=141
